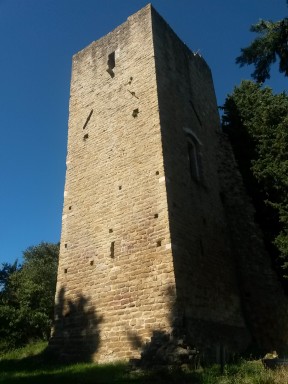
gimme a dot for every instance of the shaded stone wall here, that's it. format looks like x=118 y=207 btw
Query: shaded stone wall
x=208 y=297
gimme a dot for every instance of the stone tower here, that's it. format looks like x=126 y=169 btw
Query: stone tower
x=144 y=247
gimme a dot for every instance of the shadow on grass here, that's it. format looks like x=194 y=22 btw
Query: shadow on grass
x=44 y=368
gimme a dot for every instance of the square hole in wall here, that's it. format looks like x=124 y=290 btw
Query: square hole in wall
x=135 y=112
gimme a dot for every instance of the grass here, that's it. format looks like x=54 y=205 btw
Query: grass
x=31 y=365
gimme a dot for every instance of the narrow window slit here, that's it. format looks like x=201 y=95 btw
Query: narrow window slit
x=88 y=118
x=111 y=64
x=65 y=270
x=195 y=158
x=91 y=262
x=159 y=243
x=112 y=249
x=120 y=187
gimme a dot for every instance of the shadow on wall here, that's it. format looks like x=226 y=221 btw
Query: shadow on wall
x=75 y=335
x=166 y=348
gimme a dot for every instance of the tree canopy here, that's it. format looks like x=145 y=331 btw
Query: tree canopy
x=272 y=44
x=256 y=121
x=27 y=296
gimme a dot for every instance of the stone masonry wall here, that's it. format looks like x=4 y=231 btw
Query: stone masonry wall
x=116 y=278
x=156 y=224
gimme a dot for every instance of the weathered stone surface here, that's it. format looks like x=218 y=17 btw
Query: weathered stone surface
x=145 y=247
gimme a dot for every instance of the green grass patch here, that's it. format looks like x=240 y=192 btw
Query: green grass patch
x=32 y=365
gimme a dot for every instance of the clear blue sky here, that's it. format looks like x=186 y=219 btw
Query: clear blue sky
x=37 y=41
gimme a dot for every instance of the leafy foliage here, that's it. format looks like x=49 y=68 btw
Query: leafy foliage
x=266 y=49
x=256 y=121
x=6 y=270
x=27 y=296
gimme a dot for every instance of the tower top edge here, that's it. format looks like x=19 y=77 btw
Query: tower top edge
x=147 y=11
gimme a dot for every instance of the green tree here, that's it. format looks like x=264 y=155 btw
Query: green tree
x=27 y=300
x=272 y=44
x=256 y=121
x=5 y=272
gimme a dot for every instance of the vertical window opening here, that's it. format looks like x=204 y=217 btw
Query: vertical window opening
x=193 y=161
x=194 y=157
x=111 y=64
x=88 y=118
x=112 y=250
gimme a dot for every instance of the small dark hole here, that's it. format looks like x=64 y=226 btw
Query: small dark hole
x=135 y=112
x=157 y=172
x=156 y=216
x=120 y=187
x=65 y=245
x=65 y=270
x=110 y=230
x=70 y=207
x=159 y=243
x=91 y=262
x=85 y=137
